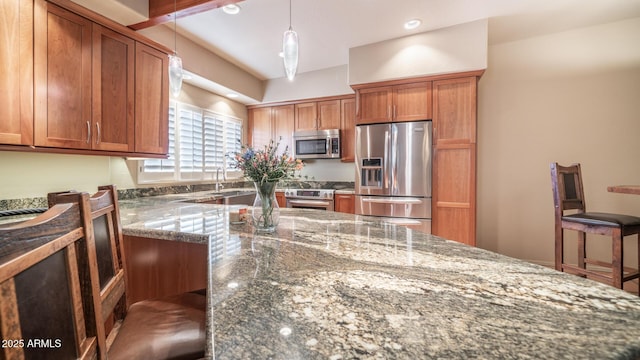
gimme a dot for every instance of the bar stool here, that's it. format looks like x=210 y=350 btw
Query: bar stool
x=568 y=194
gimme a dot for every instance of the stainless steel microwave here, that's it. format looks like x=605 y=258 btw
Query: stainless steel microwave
x=317 y=144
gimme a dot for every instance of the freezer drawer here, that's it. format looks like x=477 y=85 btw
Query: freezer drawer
x=408 y=207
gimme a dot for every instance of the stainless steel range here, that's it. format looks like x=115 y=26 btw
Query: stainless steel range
x=319 y=199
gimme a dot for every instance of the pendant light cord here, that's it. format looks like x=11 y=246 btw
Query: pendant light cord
x=290 y=28
x=175 y=37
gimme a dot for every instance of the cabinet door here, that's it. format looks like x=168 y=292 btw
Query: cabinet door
x=113 y=90
x=348 y=129
x=62 y=70
x=281 y=199
x=283 y=125
x=152 y=100
x=345 y=203
x=329 y=114
x=306 y=116
x=454 y=166
x=374 y=105
x=259 y=127
x=412 y=102
x=16 y=72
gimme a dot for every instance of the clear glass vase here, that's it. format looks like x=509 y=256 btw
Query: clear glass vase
x=266 y=212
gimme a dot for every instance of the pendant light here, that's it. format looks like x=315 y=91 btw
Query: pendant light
x=290 y=50
x=175 y=63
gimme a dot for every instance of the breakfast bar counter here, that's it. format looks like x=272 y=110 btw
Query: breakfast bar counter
x=329 y=285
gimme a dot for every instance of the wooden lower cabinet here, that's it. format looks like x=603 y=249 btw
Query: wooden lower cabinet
x=344 y=203
x=161 y=267
x=281 y=199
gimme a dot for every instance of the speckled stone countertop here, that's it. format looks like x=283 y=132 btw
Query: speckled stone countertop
x=329 y=285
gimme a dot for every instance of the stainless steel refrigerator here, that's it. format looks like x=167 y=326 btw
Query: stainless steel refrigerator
x=393 y=172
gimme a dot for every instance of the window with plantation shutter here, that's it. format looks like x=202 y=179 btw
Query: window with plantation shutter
x=200 y=142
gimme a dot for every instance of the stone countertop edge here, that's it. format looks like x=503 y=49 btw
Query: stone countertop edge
x=331 y=285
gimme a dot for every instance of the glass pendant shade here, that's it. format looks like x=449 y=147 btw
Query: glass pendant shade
x=290 y=53
x=175 y=75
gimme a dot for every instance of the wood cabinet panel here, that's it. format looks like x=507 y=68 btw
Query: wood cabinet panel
x=306 y=116
x=348 y=129
x=328 y=115
x=113 y=90
x=374 y=105
x=281 y=199
x=62 y=70
x=272 y=123
x=412 y=102
x=455 y=110
x=345 y=203
x=16 y=72
x=283 y=125
x=259 y=127
x=157 y=268
x=454 y=165
x=151 y=100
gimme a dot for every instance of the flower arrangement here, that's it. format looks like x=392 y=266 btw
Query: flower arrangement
x=265 y=165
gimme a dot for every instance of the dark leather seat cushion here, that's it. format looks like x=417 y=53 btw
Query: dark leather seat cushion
x=603 y=219
x=168 y=328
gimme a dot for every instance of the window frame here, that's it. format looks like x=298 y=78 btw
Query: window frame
x=230 y=124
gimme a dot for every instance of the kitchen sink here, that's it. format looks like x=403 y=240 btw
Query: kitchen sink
x=236 y=197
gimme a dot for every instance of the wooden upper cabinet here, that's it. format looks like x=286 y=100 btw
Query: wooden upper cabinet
x=306 y=116
x=86 y=100
x=374 y=105
x=283 y=126
x=113 y=90
x=348 y=129
x=321 y=115
x=151 y=100
x=62 y=70
x=455 y=110
x=404 y=102
x=328 y=114
x=412 y=102
x=260 y=127
x=272 y=123
x=16 y=72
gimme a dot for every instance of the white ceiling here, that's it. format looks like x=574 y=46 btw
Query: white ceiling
x=328 y=28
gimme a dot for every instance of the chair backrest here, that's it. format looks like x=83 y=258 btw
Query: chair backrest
x=42 y=302
x=568 y=193
x=109 y=268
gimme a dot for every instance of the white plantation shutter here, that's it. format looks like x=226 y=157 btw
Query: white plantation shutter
x=213 y=142
x=191 y=142
x=200 y=142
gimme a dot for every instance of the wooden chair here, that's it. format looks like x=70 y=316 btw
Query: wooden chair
x=41 y=272
x=167 y=328
x=568 y=194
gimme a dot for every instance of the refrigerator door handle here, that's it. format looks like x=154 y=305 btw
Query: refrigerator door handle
x=394 y=160
x=385 y=165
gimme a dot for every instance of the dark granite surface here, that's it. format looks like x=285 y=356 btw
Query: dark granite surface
x=329 y=285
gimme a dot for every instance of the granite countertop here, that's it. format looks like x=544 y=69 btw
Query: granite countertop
x=329 y=285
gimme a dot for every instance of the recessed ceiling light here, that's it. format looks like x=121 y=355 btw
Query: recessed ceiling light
x=231 y=9
x=412 y=24
x=281 y=54
x=232 y=95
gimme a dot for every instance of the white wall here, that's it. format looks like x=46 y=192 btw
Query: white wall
x=454 y=49
x=327 y=82
x=567 y=97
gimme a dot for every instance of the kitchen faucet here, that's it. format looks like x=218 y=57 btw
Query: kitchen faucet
x=218 y=185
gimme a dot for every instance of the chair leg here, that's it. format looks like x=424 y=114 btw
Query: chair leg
x=617 y=254
x=559 y=247
x=582 y=249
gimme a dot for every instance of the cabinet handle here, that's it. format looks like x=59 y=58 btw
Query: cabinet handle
x=98 y=133
x=88 y=132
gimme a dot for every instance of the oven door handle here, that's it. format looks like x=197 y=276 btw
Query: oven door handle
x=309 y=202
